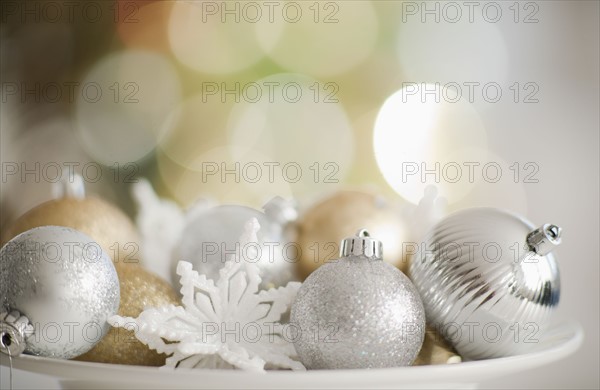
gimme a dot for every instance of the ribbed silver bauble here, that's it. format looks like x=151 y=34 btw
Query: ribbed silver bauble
x=488 y=281
x=57 y=289
x=357 y=312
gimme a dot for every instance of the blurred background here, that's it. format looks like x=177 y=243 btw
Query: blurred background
x=496 y=103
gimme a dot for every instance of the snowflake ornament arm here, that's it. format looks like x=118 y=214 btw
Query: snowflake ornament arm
x=224 y=324
x=160 y=223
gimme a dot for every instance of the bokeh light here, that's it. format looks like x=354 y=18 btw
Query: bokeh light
x=320 y=39
x=420 y=140
x=199 y=124
x=144 y=24
x=300 y=125
x=123 y=109
x=218 y=175
x=493 y=103
x=202 y=41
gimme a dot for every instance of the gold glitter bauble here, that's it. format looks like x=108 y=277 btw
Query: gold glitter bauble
x=100 y=220
x=323 y=226
x=436 y=350
x=139 y=289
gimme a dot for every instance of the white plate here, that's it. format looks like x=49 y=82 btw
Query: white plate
x=560 y=341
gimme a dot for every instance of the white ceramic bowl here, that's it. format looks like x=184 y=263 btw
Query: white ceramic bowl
x=560 y=341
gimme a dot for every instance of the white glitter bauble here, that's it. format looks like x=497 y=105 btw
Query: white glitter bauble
x=213 y=236
x=358 y=312
x=57 y=289
x=488 y=281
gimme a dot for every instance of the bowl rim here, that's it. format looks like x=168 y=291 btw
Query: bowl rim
x=568 y=338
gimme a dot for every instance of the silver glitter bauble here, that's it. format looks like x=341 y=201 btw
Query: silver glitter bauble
x=57 y=289
x=358 y=312
x=213 y=235
x=488 y=281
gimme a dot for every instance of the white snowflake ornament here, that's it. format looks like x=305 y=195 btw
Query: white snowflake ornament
x=223 y=325
x=160 y=223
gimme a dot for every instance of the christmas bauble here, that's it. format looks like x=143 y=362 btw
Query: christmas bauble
x=324 y=225
x=358 y=312
x=436 y=350
x=488 y=281
x=61 y=283
x=102 y=221
x=139 y=289
x=212 y=237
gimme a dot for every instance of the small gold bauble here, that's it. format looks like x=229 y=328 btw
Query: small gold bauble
x=100 y=220
x=436 y=350
x=139 y=289
x=323 y=226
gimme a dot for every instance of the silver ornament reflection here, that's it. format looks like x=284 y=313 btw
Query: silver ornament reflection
x=57 y=288
x=358 y=312
x=212 y=237
x=488 y=281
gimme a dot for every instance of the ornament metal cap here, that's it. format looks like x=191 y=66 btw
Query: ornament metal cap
x=544 y=239
x=362 y=245
x=14 y=330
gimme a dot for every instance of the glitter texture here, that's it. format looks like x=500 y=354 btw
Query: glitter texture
x=358 y=312
x=102 y=221
x=64 y=284
x=210 y=329
x=139 y=289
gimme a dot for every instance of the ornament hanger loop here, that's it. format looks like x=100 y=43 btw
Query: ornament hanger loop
x=363 y=233
x=554 y=232
x=544 y=239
